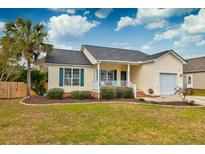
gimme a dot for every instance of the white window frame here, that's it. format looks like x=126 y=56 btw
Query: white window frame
x=76 y=77
x=187 y=79
x=106 y=75
x=72 y=76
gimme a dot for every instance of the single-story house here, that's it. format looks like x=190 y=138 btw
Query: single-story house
x=96 y=66
x=194 y=74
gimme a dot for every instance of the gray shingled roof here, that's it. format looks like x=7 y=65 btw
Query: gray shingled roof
x=154 y=56
x=195 y=65
x=107 y=53
x=60 y=56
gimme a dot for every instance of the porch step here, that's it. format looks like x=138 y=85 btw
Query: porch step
x=140 y=93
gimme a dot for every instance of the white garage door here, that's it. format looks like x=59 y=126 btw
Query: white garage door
x=167 y=84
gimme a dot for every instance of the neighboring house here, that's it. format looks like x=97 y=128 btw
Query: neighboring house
x=194 y=74
x=78 y=70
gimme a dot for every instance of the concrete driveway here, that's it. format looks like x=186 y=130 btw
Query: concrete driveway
x=197 y=99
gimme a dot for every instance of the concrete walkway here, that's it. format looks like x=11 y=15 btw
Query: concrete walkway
x=197 y=99
x=174 y=98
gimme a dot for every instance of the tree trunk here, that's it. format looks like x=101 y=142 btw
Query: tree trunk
x=28 y=79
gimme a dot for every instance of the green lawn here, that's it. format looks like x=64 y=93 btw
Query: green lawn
x=197 y=94
x=100 y=124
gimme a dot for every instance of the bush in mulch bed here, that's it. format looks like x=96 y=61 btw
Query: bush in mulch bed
x=81 y=95
x=108 y=92
x=54 y=93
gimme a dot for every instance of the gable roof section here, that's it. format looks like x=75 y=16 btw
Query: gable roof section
x=115 y=54
x=60 y=56
x=157 y=55
x=195 y=65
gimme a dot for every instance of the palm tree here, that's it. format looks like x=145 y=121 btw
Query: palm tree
x=29 y=42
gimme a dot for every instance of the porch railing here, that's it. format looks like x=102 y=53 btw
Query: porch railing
x=115 y=84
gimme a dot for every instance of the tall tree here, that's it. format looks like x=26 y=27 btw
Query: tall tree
x=28 y=40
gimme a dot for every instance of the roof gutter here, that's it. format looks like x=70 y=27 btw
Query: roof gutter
x=58 y=64
x=125 y=62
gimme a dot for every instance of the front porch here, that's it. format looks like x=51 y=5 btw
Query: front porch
x=114 y=74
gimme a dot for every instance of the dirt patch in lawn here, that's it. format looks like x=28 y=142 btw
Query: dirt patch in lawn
x=41 y=100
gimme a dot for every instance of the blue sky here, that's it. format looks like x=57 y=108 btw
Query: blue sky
x=148 y=30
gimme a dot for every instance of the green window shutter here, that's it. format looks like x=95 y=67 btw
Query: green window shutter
x=115 y=75
x=60 y=77
x=81 y=77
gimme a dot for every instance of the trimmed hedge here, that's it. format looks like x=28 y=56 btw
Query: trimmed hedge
x=116 y=92
x=55 y=93
x=81 y=95
x=124 y=92
x=107 y=92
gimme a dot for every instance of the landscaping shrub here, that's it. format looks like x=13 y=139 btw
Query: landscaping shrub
x=81 y=95
x=116 y=92
x=107 y=92
x=38 y=81
x=124 y=92
x=55 y=93
x=141 y=99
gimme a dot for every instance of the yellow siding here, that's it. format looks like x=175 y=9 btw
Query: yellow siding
x=167 y=64
x=145 y=77
x=53 y=78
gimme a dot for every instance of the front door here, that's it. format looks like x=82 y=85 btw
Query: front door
x=123 y=75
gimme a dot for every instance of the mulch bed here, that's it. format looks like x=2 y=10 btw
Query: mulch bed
x=41 y=100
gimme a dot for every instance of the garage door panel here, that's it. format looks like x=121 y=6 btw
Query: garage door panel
x=167 y=84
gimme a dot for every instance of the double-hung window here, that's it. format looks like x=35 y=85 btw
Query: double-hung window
x=106 y=75
x=72 y=77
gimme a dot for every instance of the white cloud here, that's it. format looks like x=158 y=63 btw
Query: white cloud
x=62 y=46
x=145 y=47
x=63 y=28
x=196 y=39
x=86 y=13
x=123 y=45
x=2 y=24
x=153 y=14
x=151 y=18
x=71 y=11
x=62 y=10
x=157 y=24
x=124 y=22
x=119 y=43
x=195 y=23
x=103 y=13
x=169 y=34
x=65 y=25
x=190 y=31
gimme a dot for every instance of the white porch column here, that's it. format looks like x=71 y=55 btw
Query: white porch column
x=128 y=73
x=98 y=79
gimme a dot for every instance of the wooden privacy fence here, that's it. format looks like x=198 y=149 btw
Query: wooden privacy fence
x=12 y=89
